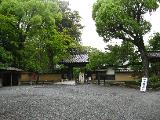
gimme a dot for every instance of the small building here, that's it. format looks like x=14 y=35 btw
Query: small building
x=154 y=59
x=75 y=60
x=121 y=74
x=9 y=76
x=154 y=56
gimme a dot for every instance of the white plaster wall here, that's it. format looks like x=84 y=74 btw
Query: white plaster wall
x=110 y=71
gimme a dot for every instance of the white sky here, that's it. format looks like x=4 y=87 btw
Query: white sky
x=89 y=35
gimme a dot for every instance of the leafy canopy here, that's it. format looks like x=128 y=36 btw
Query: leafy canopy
x=154 y=42
x=123 y=19
x=37 y=33
x=116 y=56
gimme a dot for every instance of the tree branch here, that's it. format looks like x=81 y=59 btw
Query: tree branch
x=139 y=13
x=128 y=32
x=126 y=39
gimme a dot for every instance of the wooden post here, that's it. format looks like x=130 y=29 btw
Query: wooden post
x=1 y=79
x=70 y=72
x=11 y=79
x=98 y=78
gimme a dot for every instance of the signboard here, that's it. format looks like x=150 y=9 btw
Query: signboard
x=81 y=77
x=144 y=84
x=89 y=78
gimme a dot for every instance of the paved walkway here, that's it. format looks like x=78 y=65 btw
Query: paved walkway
x=77 y=102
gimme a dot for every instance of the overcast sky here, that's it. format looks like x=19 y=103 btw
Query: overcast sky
x=89 y=34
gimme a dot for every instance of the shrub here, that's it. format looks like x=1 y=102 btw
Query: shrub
x=154 y=82
x=134 y=84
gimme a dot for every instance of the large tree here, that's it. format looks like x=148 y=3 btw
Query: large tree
x=8 y=40
x=96 y=58
x=22 y=20
x=124 y=19
x=5 y=58
x=70 y=21
x=37 y=33
x=117 y=55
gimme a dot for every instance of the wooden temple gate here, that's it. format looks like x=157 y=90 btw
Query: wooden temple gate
x=75 y=60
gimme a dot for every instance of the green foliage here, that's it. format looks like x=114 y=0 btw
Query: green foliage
x=154 y=42
x=30 y=34
x=76 y=72
x=23 y=20
x=123 y=19
x=8 y=33
x=133 y=83
x=154 y=45
x=70 y=21
x=154 y=81
x=5 y=58
x=96 y=58
x=9 y=42
x=47 y=52
x=33 y=55
x=118 y=55
x=119 y=18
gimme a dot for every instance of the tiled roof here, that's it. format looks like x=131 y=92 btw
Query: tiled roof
x=153 y=54
x=12 y=69
x=79 y=58
x=124 y=70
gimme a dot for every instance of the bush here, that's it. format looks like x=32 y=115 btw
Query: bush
x=134 y=84
x=76 y=72
x=154 y=82
x=154 y=79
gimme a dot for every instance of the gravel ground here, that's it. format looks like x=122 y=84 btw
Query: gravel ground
x=81 y=102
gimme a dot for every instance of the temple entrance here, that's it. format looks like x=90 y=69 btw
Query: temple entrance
x=76 y=61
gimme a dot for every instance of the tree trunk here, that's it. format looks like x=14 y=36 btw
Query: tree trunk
x=50 y=61
x=145 y=61
x=51 y=64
